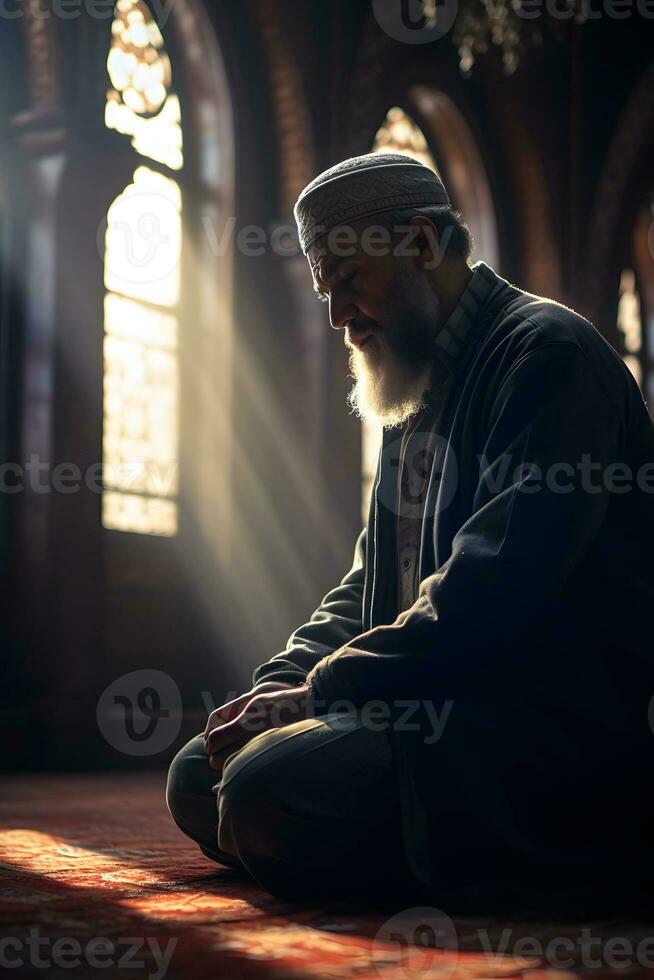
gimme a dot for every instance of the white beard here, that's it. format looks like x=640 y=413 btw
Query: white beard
x=385 y=391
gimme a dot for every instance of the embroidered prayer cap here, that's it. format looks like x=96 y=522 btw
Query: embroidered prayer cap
x=362 y=186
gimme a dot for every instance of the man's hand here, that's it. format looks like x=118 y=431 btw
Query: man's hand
x=229 y=710
x=273 y=709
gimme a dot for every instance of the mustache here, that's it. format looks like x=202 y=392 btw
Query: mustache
x=355 y=331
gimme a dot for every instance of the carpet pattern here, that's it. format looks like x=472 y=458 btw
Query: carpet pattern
x=95 y=880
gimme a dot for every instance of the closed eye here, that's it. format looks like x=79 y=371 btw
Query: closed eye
x=324 y=297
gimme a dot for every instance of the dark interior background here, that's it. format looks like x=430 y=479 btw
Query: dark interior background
x=271 y=92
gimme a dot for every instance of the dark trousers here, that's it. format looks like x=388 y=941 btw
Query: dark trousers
x=308 y=810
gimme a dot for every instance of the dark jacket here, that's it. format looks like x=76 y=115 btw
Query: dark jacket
x=534 y=612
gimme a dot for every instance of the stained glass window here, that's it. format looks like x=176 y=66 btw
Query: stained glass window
x=635 y=317
x=400 y=134
x=630 y=324
x=140 y=102
x=142 y=268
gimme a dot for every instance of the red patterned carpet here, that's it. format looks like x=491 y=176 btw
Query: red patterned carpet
x=97 y=881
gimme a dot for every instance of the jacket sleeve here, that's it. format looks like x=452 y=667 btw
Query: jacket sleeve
x=336 y=621
x=514 y=553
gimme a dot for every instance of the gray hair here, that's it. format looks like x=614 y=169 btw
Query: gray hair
x=453 y=232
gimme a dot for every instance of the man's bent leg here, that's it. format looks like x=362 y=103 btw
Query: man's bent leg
x=312 y=809
x=191 y=798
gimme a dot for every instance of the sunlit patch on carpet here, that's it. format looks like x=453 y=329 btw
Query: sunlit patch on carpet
x=96 y=879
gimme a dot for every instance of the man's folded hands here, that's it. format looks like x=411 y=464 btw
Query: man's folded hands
x=233 y=725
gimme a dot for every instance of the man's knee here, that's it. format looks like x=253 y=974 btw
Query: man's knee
x=188 y=781
x=304 y=807
x=256 y=826
x=252 y=828
x=269 y=820
x=284 y=849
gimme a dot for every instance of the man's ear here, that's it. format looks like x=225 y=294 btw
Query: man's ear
x=427 y=240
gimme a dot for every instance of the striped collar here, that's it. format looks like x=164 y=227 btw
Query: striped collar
x=452 y=335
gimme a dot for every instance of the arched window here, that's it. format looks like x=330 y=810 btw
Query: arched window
x=635 y=314
x=630 y=324
x=142 y=270
x=456 y=159
x=400 y=134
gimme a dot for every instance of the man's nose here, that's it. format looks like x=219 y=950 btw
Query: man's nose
x=341 y=311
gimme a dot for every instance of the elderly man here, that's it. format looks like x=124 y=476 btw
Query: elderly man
x=467 y=712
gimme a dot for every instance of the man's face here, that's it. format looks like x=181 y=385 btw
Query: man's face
x=384 y=302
